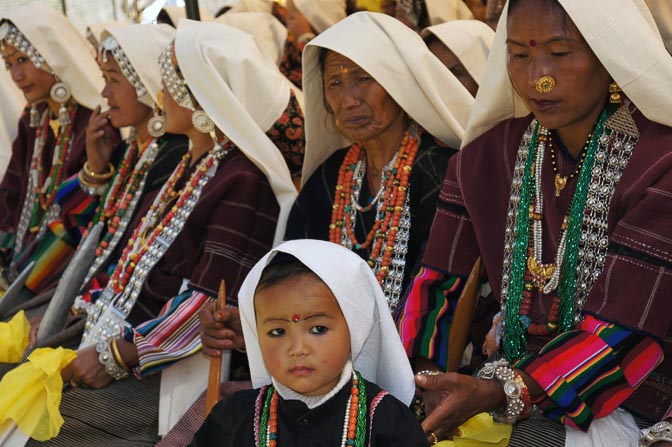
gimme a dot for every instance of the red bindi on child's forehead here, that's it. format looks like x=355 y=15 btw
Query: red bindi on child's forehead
x=296 y=318
x=533 y=43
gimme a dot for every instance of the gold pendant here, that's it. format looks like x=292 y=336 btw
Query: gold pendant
x=560 y=183
x=541 y=273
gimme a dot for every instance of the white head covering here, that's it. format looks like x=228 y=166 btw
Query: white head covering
x=398 y=59
x=440 y=11
x=142 y=57
x=253 y=6
x=243 y=93
x=376 y=349
x=623 y=36
x=662 y=13
x=269 y=33
x=321 y=14
x=13 y=103
x=65 y=50
x=469 y=40
x=179 y=12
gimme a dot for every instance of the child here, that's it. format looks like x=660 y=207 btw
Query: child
x=317 y=328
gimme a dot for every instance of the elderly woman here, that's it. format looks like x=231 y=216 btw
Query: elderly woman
x=142 y=163
x=382 y=118
x=54 y=67
x=573 y=230
x=215 y=216
x=463 y=46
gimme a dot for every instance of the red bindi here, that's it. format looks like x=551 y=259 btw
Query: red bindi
x=295 y=318
x=533 y=43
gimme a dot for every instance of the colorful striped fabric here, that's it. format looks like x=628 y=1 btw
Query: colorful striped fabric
x=81 y=206
x=172 y=336
x=51 y=256
x=429 y=306
x=587 y=373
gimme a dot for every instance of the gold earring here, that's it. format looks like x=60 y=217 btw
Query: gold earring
x=545 y=84
x=615 y=93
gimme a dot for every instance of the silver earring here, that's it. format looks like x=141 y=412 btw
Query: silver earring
x=60 y=92
x=34 y=116
x=202 y=122
x=156 y=126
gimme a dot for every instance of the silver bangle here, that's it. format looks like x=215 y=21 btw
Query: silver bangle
x=106 y=358
x=429 y=372
x=662 y=431
x=502 y=371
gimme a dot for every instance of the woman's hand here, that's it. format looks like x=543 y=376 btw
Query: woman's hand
x=100 y=142
x=87 y=370
x=220 y=330
x=451 y=399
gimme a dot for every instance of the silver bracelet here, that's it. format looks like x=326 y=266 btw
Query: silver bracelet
x=662 y=431
x=429 y=372
x=502 y=371
x=106 y=358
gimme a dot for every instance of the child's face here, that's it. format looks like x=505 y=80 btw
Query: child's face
x=304 y=339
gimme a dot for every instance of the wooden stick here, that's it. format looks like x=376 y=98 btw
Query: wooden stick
x=464 y=314
x=215 y=376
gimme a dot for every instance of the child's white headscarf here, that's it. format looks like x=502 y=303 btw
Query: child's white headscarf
x=376 y=349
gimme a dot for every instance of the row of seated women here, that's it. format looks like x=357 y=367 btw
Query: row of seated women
x=572 y=307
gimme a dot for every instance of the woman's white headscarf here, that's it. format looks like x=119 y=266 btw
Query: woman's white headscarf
x=253 y=6
x=66 y=51
x=94 y=31
x=469 y=40
x=376 y=349
x=142 y=45
x=398 y=59
x=441 y=11
x=269 y=33
x=321 y=14
x=175 y=13
x=243 y=92
x=623 y=36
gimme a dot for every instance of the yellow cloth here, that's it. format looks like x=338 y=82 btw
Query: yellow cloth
x=370 y=5
x=30 y=394
x=14 y=338
x=481 y=430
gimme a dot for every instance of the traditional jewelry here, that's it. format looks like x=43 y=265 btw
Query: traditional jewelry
x=101 y=178
x=388 y=238
x=156 y=126
x=92 y=189
x=660 y=432
x=150 y=241
x=106 y=357
x=545 y=84
x=561 y=181
x=295 y=318
x=202 y=122
x=435 y=439
x=615 y=93
x=428 y=372
x=34 y=116
x=586 y=236
x=176 y=86
x=38 y=204
x=354 y=422
x=61 y=93
x=518 y=400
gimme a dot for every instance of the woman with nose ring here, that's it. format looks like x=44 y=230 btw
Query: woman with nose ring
x=571 y=131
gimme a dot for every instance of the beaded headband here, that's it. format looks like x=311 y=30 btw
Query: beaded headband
x=176 y=85
x=10 y=34
x=111 y=45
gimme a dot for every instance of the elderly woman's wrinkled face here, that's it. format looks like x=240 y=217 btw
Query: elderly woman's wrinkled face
x=125 y=109
x=33 y=82
x=362 y=109
x=543 y=42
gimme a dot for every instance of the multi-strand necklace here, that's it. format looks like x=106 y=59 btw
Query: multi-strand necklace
x=354 y=421
x=583 y=242
x=119 y=205
x=150 y=241
x=38 y=204
x=389 y=235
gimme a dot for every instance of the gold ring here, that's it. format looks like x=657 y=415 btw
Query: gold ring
x=545 y=84
x=73 y=383
x=435 y=439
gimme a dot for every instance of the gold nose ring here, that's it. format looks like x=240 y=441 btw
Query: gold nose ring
x=545 y=84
